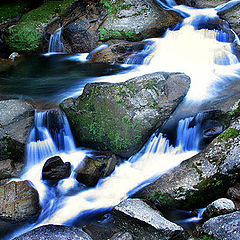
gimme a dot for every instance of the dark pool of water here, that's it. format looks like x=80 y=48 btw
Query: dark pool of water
x=51 y=78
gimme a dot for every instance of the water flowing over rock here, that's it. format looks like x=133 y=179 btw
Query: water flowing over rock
x=121 y=117
x=138 y=218
x=54 y=232
x=133 y=20
x=226 y=227
x=219 y=207
x=201 y=179
x=55 y=169
x=19 y=202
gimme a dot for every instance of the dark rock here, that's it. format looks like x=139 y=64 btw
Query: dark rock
x=55 y=169
x=138 y=218
x=121 y=117
x=202 y=178
x=54 y=232
x=19 y=202
x=10 y=169
x=234 y=192
x=132 y=20
x=219 y=207
x=122 y=236
x=80 y=27
x=116 y=53
x=226 y=227
x=89 y=172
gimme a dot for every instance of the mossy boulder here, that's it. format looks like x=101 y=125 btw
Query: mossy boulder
x=202 y=178
x=134 y=20
x=121 y=117
x=27 y=35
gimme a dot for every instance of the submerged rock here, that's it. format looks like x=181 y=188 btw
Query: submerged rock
x=138 y=218
x=226 y=227
x=202 y=178
x=121 y=117
x=90 y=171
x=133 y=20
x=54 y=232
x=55 y=169
x=19 y=202
x=219 y=207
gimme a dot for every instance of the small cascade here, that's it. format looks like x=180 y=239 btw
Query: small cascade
x=55 y=42
x=194 y=219
x=51 y=134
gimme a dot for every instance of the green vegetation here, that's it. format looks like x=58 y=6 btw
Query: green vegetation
x=113 y=8
x=207 y=237
x=228 y=134
x=105 y=35
x=13 y=9
x=26 y=35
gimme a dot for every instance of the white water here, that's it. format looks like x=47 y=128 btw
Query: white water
x=200 y=54
x=55 y=42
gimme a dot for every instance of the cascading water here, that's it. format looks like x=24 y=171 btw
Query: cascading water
x=55 y=42
x=205 y=55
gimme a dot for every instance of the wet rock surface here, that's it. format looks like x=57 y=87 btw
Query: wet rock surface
x=219 y=207
x=19 y=202
x=54 y=232
x=225 y=227
x=55 y=169
x=202 y=178
x=138 y=218
x=121 y=117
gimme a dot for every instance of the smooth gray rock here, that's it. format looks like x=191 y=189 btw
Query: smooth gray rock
x=54 y=232
x=138 y=218
x=219 y=207
x=19 y=202
x=121 y=117
x=226 y=227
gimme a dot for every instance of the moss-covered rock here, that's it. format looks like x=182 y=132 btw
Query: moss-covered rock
x=121 y=117
x=201 y=179
x=132 y=20
x=27 y=34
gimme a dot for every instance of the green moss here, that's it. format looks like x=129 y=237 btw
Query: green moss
x=206 y=237
x=113 y=8
x=13 y=9
x=163 y=199
x=229 y=134
x=26 y=35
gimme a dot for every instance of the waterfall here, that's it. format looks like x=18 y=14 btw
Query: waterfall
x=51 y=134
x=55 y=43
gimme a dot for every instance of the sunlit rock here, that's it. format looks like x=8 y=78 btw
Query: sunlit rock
x=19 y=202
x=121 y=117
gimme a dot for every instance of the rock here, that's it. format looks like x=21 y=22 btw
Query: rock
x=122 y=236
x=202 y=178
x=219 y=207
x=89 y=172
x=234 y=192
x=19 y=202
x=202 y=3
x=16 y=118
x=121 y=117
x=13 y=56
x=55 y=169
x=226 y=227
x=138 y=218
x=80 y=27
x=54 y=232
x=116 y=53
x=132 y=20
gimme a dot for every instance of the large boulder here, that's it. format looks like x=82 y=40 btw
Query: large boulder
x=121 y=117
x=138 y=218
x=202 y=178
x=16 y=118
x=19 y=202
x=54 y=232
x=219 y=207
x=225 y=227
x=55 y=169
x=134 y=20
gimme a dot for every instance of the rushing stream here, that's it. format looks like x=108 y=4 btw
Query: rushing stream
x=206 y=55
